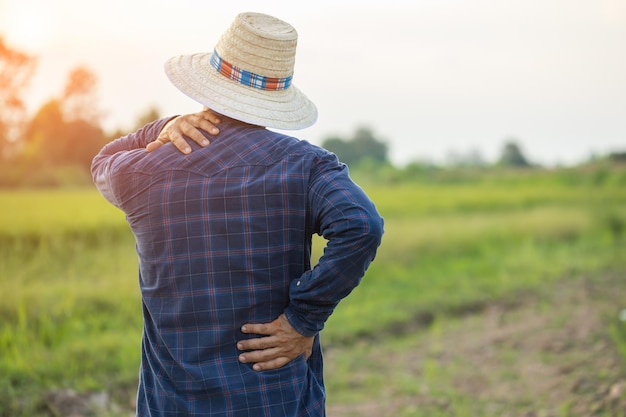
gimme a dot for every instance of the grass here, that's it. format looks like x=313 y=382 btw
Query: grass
x=50 y=213
x=539 y=358
x=70 y=306
x=447 y=264
x=70 y=309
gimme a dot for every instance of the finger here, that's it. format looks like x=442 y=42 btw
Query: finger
x=262 y=357
x=271 y=364
x=152 y=146
x=210 y=116
x=258 y=343
x=208 y=125
x=263 y=328
x=182 y=145
x=179 y=141
x=193 y=133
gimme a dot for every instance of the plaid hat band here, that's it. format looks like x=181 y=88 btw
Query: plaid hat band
x=248 y=78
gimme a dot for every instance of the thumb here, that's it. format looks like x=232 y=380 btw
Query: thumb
x=152 y=146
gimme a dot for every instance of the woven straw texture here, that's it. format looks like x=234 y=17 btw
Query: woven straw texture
x=257 y=43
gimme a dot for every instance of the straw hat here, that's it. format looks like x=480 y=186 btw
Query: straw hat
x=248 y=75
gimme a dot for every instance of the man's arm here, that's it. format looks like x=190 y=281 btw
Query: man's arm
x=151 y=137
x=106 y=164
x=348 y=219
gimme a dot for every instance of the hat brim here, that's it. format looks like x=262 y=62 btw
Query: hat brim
x=194 y=75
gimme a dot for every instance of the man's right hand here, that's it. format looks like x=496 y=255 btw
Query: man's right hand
x=281 y=344
x=188 y=125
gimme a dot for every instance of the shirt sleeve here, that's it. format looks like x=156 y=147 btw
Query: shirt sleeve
x=115 y=154
x=345 y=216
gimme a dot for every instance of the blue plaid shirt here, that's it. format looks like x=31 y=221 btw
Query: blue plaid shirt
x=223 y=237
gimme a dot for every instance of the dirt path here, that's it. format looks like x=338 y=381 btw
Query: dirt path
x=545 y=355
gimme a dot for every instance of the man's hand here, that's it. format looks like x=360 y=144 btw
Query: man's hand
x=282 y=344
x=188 y=125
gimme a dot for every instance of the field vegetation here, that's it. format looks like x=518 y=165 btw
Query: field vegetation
x=459 y=247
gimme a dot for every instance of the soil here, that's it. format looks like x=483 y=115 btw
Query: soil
x=543 y=355
x=547 y=354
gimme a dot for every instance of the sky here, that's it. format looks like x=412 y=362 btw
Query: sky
x=431 y=78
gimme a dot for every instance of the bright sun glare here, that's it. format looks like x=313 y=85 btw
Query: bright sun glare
x=25 y=29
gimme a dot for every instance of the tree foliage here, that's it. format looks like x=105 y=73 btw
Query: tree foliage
x=512 y=155
x=54 y=140
x=362 y=146
x=16 y=70
x=63 y=135
x=66 y=130
x=79 y=96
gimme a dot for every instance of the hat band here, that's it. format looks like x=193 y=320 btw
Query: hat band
x=248 y=78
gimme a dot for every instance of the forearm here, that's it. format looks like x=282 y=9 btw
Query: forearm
x=349 y=221
x=314 y=296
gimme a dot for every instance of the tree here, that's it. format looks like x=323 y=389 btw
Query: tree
x=368 y=147
x=149 y=115
x=16 y=70
x=83 y=135
x=44 y=137
x=512 y=155
x=79 y=97
x=361 y=147
x=66 y=131
x=339 y=147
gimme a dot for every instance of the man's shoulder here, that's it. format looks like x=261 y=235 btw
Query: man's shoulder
x=268 y=146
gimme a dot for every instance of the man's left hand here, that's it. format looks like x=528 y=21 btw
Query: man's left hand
x=188 y=125
x=281 y=345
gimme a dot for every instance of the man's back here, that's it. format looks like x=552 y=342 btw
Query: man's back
x=223 y=237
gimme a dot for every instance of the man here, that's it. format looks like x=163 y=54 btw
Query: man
x=232 y=309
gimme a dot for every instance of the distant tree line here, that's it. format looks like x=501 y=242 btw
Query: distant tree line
x=55 y=146
x=363 y=147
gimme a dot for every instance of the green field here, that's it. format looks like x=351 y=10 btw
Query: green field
x=70 y=314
